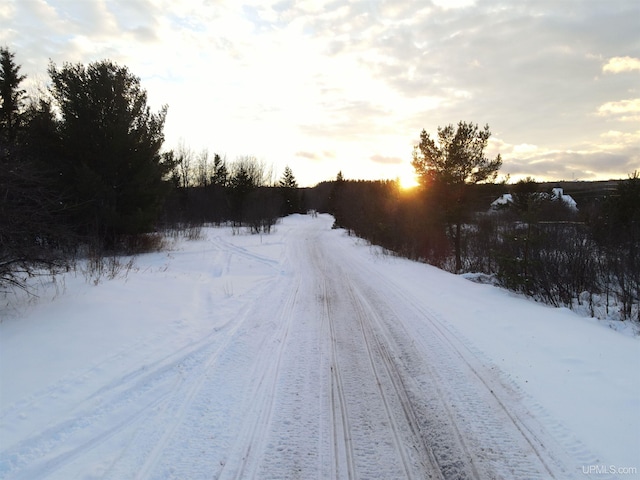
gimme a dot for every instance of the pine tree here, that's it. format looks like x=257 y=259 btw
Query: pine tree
x=220 y=172
x=289 y=189
x=30 y=237
x=11 y=96
x=446 y=168
x=111 y=165
x=288 y=180
x=241 y=185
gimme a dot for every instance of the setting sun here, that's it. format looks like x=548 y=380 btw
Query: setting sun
x=408 y=181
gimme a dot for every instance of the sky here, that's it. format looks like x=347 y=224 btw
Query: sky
x=329 y=86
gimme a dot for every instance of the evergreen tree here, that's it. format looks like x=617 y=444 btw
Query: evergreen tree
x=241 y=185
x=336 y=202
x=110 y=141
x=446 y=168
x=625 y=210
x=11 y=96
x=526 y=199
x=289 y=188
x=220 y=173
x=30 y=237
x=288 y=180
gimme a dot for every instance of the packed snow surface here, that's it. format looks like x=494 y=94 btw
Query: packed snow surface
x=308 y=354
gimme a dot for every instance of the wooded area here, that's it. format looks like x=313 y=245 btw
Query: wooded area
x=536 y=244
x=84 y=175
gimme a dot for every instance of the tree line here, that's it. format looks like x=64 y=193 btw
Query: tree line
x=209 y=189
x=535 y=243
x=83 y=169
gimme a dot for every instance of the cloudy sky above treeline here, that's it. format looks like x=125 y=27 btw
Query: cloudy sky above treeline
x=328 y=86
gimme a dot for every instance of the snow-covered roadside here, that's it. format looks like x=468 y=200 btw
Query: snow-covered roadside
x=574 y=373
x=598 y=309
x=57 y=351
x=166 y=325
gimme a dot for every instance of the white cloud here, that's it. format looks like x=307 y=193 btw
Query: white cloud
x=524 y=149
x=625 y=110
x=447 y=4
x=615 y=140
x=6 y=10
x=621 y=64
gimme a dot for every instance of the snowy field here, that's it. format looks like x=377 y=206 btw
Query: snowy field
x=308 y=354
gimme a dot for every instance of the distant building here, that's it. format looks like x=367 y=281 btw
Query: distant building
x=504 y=200
x=557 y=194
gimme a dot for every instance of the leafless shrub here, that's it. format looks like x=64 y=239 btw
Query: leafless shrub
x=143 y=243
x=189 y=231
x=97 y=267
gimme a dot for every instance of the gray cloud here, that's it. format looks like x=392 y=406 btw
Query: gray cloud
x=349 y=120
x=140 y=17
x=315 y=156
x=574 y=165
x=531 y=69
x=558 y=75
x=387 y=160
x=79 y=31
x=308 y=155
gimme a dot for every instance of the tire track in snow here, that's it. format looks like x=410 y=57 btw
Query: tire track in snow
x=244 y=253
x=376 y=343
x=454 y=443
x=503 y=439
x=388 y=402
x=175 y=408
x=372 y=344
x=244 y=458
x=159 y=393
x=340 y=428
x=543 y=463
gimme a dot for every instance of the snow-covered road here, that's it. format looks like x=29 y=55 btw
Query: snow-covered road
x=297 y=355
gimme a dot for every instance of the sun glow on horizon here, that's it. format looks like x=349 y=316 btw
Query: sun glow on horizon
x=407 y=182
